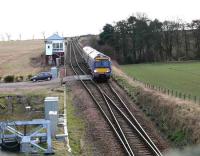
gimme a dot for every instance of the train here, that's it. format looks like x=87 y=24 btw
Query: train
x=98 y=63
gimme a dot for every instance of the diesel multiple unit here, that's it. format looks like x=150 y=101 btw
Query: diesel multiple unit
x=99 y=64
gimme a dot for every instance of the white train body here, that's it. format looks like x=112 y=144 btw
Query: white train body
x=99 y=63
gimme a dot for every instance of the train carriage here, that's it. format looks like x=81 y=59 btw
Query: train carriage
x=99 y=64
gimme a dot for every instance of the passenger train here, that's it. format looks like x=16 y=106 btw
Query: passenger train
x=99 y=64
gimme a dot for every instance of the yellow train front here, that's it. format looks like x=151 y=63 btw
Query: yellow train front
x=99 y=64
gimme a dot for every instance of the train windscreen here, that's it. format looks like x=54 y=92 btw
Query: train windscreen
x=102 y=63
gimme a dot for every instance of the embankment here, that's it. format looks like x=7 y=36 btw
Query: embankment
x=178 y=120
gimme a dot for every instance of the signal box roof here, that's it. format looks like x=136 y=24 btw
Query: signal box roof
x=55 y=37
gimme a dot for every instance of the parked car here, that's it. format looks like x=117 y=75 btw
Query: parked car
x=42 y=76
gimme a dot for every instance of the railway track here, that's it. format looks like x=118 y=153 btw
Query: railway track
x=130 y=134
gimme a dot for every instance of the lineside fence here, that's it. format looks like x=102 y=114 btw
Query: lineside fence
x=170 y=92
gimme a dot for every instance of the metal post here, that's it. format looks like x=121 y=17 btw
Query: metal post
x=49 y=146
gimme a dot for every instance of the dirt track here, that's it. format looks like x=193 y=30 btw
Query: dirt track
x=28 y=86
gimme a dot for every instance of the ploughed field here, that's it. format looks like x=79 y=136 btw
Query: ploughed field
x=20 y=57
x=181 y=77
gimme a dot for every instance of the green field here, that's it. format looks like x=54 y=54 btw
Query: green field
x=182 y=77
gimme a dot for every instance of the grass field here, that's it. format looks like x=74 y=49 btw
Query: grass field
x=15 y=57
x=182 y=77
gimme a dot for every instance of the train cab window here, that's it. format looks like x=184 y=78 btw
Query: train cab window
x=102 y=64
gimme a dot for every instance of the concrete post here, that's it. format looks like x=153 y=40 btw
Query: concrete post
x=53 y=117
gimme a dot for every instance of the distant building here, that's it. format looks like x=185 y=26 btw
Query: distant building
x=55 y=48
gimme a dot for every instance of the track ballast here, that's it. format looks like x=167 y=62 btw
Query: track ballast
x=130 y=134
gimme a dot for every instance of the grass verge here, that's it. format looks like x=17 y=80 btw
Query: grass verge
x=76 y=127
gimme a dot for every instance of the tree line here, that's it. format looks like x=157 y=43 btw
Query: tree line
x=139 y=39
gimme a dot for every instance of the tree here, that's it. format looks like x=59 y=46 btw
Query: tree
x=131 y=32
x=107 y=35
x=177 y=38
x=121 y=30
x=185 y=33
x=168 y=34
x=8 y=36
x=141 y=34
x=20 y=36
x=33 y=37
x=139 y=39
x=156 y=39
x=43 y=34
x=196 y=33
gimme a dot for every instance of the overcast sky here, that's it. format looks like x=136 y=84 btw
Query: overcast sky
x=77 y=17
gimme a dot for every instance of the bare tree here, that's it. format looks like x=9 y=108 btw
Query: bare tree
x=20 y=36
x=8 y=36
x=177 y=37
x=195 y=25
x=185 y=33
x=168 y=35
x=43 y=34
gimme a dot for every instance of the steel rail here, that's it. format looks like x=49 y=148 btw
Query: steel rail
x=105 y=95
x=101 y=109
x=142 y=134
x=137 y=126
x=135 y=120
x=132 y=125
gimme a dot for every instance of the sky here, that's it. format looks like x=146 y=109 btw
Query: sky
x=78 y=17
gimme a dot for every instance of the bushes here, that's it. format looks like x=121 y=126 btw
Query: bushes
x=19 y=78
x=13 y=78
x=29 y=76
x=9 y=79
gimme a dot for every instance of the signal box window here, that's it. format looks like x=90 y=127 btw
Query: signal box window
x=57 y=46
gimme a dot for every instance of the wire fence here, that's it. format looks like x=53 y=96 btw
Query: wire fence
x=170 y=92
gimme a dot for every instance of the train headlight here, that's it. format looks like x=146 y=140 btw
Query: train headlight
x=108 y=70
x=95 y=71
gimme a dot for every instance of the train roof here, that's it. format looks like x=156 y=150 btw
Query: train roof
x=93 y=53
